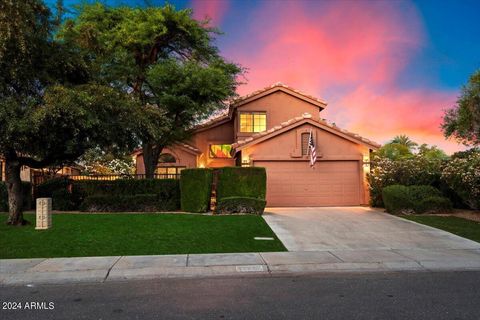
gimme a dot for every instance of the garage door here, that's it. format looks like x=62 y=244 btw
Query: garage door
x=295 y=184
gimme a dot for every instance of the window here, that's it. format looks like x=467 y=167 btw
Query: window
x=168 y=172
x=253 y=121
x=220 y=151
x=305 y=138
x=166 y=158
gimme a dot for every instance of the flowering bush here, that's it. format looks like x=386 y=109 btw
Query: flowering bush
x=417 y=170
x=462 y=174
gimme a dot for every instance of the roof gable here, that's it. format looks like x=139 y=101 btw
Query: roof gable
x=298 y=121
x=275 y=88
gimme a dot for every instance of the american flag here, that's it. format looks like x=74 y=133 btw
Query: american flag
x=311 y=148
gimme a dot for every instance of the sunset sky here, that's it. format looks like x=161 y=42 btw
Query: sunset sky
x=384 y=67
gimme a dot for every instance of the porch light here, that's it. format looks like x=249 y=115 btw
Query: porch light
x=245 y=161
x=366 y=161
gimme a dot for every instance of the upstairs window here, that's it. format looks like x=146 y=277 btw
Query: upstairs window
x=253 y=121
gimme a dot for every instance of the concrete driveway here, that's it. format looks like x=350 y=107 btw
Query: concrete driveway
x=355 y=228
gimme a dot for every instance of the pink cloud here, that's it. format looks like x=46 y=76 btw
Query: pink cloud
x=212 y=9
x=350 y=54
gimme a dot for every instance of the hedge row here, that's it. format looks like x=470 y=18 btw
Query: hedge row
x=27 y=196
x=414 y=199
x=133 y=203
x=241 y=205
x=242 y=182
x=238 y=190
x=70 y=195
x=195 y=189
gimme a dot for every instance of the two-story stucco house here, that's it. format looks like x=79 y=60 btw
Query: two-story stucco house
x=270 y=128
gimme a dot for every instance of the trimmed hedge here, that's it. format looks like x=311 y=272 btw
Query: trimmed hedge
x=248 y=182
x=241 y=205
x=195 y=189
x=121 y=203
x=27 y=196
x=418 y=199
x=70 y=194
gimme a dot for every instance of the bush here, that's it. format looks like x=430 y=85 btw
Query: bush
x=241 y=205
x=434 y=204
x=418 y=199
x=417 y=170
x=63 y=200
x=166 y=190
x=120 y=203
x=242 y=182
x=195 y=189
x=462 y=174
x=27 y=196
x=397 y=199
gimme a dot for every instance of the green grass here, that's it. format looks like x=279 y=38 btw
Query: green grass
x=77 y=235
x=459 y=226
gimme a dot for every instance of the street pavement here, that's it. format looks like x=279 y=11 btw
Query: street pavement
x=404 y=295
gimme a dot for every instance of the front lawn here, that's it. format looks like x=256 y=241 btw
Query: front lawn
x=461 y=227
x=77 y=235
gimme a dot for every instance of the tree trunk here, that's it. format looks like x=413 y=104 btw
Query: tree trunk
x=15 y=194
x=151 y=153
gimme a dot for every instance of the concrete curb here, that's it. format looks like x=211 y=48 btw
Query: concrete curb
x=122 y=268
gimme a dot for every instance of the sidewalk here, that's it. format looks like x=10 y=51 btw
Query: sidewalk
x=121 y=268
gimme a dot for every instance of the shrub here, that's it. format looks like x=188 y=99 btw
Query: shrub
x=418 y=199
x=196 y=188
x=462 y=174
x=120 y=203
x=434 y=204
x=166 y=190
x=242 y=182
x=397 y=199
x=417 y=170
x=63 y=200
x=241 y=205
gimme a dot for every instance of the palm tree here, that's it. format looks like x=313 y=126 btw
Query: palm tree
x=405 y=141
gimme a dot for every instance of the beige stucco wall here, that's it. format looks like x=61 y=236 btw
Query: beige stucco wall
x=280 y=107
x=328 y=146
x=221 y=134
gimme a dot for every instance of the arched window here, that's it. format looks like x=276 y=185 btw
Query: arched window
x=166 y=158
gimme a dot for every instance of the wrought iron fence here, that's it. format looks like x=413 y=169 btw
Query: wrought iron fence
x=38 y=179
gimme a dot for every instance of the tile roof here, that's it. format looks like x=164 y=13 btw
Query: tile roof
x=296 y=120
x=277 y=85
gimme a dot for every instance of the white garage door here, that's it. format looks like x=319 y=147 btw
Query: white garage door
x=295 y=184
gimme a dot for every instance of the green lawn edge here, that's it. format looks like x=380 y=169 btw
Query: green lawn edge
x=113 y=234
x=459 y=226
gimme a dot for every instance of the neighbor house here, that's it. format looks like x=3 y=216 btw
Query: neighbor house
x=28 y=174
x=271 y=128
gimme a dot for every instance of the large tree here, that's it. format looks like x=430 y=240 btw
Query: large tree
x=463 y=120
x=162 y=57
x=50 y=110
x=404 y=140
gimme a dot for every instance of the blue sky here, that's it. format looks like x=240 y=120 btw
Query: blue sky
x=385 y=67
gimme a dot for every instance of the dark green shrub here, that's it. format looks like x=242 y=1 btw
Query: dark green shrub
x=242 y=182
x=435 y=204
x=418 y=193
x=418 y=199
x=397 y=199
x=63 y=200
x=196 y=188
x=27 y=196
x=241 y=205
x=120 y=203
x=166 y=190
x=47 y=188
